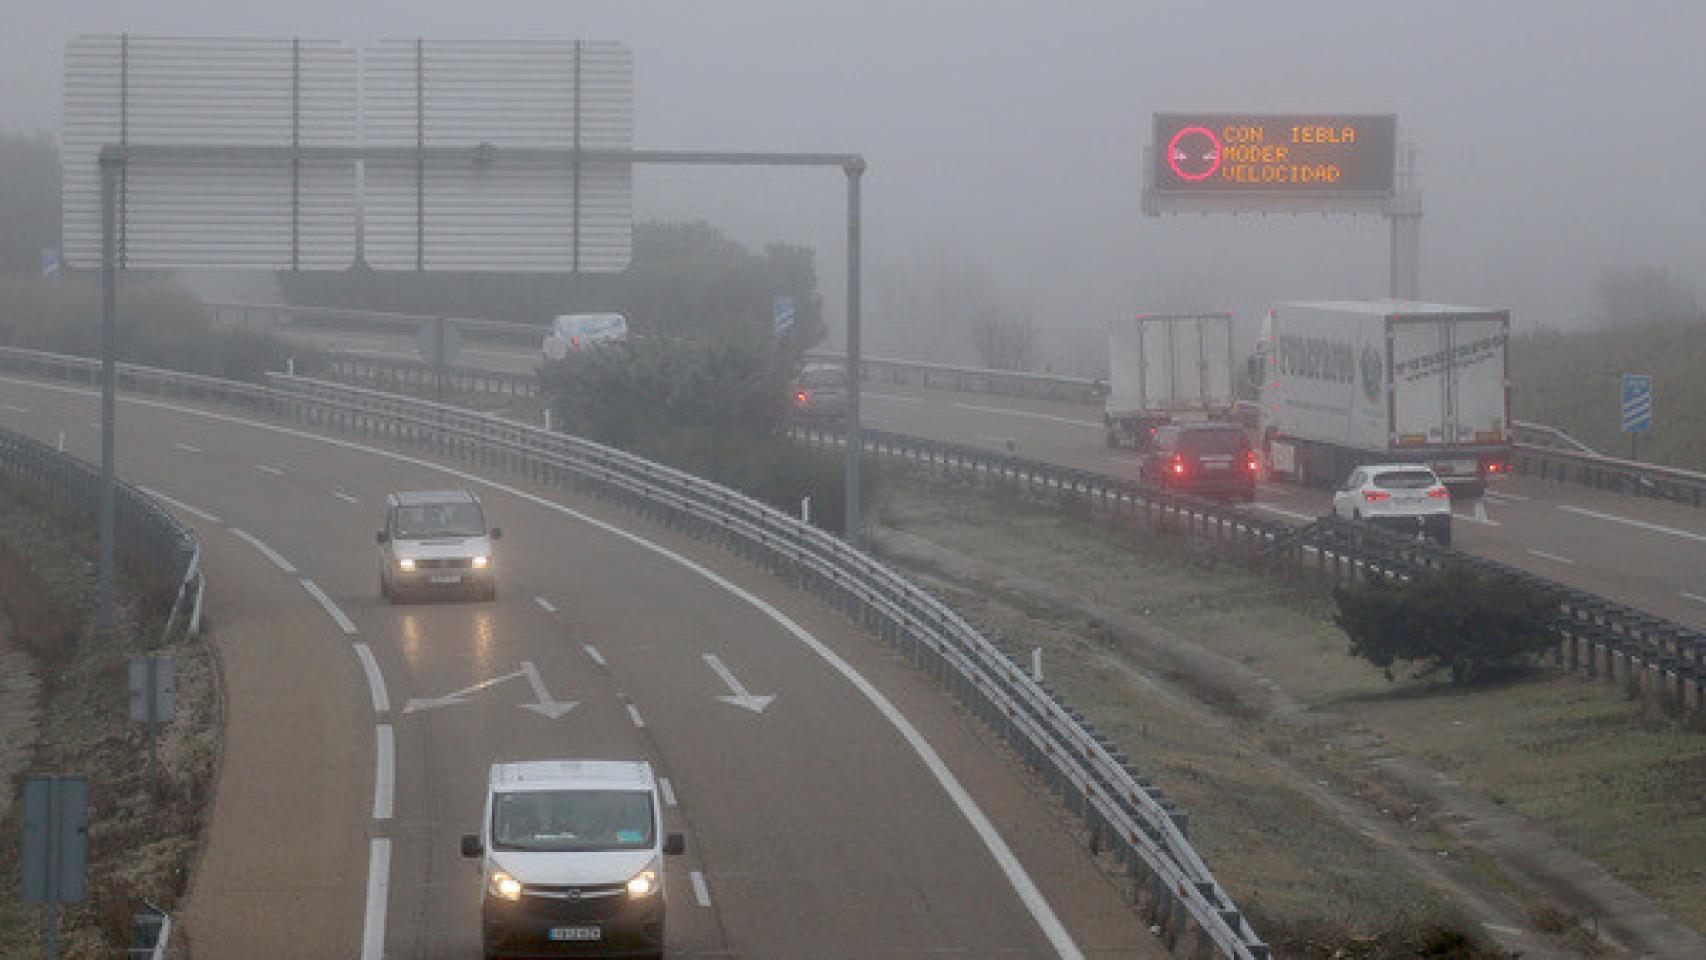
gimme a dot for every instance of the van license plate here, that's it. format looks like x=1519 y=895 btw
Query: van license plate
x=446 y=578
x=577 y=933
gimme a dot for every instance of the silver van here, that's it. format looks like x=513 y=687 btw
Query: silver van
x=436 y=542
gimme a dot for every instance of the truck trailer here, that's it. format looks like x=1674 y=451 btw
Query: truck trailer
x=1162 y=368
x=1347 y=383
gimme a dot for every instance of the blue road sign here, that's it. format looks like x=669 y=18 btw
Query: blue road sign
x=50 y=262
x=1637 y=402
x=782 y=314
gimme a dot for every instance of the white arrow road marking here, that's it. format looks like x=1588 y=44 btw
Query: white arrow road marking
x=741 y=698
x=266 y=469
x=701 y=893
x=1697 y=598
x=545 y=605
x=460 y=696
x=186 y=447
x=592 y=652
x=344 y=496
x=546 y=706
x=668 y=790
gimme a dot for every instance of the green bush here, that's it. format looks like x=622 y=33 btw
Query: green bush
x=158 y=324
x=1455 y=621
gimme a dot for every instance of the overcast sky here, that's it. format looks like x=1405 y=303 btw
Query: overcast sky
x=1556 y=137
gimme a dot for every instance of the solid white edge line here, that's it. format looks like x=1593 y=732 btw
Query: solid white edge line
x=668 y=791
x=545 y=605
x=265 y=550
x=1293 y=514
x=378 y=897
x=375 y=679
x=1088 y=424
x=385 y=771
x=1548 y=556
x=592 y=652
x=344 y=623
x=701 y=892
x=634 y=715
x=1672 y=531
x=1004 y=857
x=192 y=511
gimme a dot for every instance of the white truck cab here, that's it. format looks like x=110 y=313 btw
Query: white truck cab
x=571 y=856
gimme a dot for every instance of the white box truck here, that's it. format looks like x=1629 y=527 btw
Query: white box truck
x=1161 y=368
x=1347 y=383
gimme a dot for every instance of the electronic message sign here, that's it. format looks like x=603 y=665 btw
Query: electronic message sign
x=1284 y=155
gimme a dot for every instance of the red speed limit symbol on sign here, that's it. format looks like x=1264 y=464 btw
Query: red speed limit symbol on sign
x=1194 y=153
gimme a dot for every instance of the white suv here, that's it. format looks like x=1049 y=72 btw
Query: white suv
x=1406 y=497
x=436 y=541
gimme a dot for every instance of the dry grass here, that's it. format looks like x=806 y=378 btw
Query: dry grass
x=1612 y=780
x=139 y=847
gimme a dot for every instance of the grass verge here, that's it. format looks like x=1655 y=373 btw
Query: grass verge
x=139 y=847
x=1613 y=781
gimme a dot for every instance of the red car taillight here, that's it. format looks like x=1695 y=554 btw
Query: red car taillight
x=1375 y=496
x=1440 y=493
x=1178 y=464
x=1252 y=463
x=801 y=396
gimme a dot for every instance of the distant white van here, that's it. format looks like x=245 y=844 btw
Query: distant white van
x=578 y=331
x=572 y=857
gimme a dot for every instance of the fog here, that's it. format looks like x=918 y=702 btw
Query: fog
x=1556 y=138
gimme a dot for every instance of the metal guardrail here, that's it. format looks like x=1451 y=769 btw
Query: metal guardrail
x=1598 y=636
x=150 y=933
x=1007 y=383
x=410 y=376
x=268 y=314
x=1123 y=813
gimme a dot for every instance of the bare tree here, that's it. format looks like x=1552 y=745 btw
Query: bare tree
x=1005 y=340
x=1639 y=295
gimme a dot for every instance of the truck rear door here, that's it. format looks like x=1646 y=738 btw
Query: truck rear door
x=1448 y=380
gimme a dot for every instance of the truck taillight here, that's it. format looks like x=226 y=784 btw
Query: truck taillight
x=1495 y=467
x=1440 y=493
x=1375 y=496
x=1178 y=464
x=1251 y=463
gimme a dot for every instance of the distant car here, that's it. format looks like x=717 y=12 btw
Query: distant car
x=1406 y=497
x=820 y=391
x=436 y=542
x=1210 y=458
x=579 y=331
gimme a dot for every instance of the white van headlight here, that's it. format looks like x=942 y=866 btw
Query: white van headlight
x=503 y=886
x=406 y=564
x=480 y=562
x=645 y=883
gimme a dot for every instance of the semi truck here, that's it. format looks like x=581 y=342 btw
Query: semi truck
x=1162 y=368
x=1347 y=383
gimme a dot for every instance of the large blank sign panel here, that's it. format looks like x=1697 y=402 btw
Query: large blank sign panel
x=547 y=214
x=269 y=213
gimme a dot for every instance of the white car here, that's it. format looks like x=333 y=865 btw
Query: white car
x=571 y=859
x=1405 y=497
x=579 y=331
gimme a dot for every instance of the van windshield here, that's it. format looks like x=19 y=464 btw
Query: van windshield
x=572 y=820
x=438 y=520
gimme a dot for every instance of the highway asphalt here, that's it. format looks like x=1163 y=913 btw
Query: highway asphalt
x=1645 y=553
x=858 y=814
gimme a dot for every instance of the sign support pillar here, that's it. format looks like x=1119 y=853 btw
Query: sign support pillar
x=855 y=168
x=110 y=170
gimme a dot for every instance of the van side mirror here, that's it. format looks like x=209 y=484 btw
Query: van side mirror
x=674 y=845
x=497 y=533
x=471 y=846
x=381 y=537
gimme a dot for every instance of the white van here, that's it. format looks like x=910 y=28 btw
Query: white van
x=572 y=859
x=578 y=331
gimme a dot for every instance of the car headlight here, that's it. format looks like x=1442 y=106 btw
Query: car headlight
x=481 y=562
x=504 y=887
x=406 y=565
x=644 y=883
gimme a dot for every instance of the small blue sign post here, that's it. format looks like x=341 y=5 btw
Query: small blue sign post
x=782 y=314
x=1637 y=408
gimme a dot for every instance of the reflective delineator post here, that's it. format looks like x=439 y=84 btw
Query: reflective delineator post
x=855 y=170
